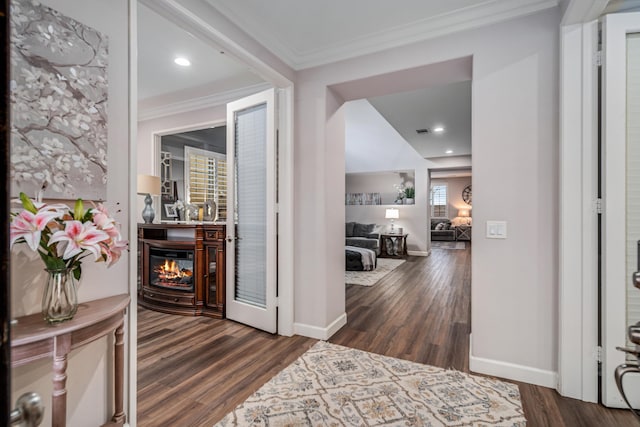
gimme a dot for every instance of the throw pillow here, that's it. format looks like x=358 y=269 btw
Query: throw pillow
x=447 y=226
x=349 y=229
x=362 y=230
x=440 y=226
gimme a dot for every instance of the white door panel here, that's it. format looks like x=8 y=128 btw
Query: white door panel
x=251 y=219
x=621 y=192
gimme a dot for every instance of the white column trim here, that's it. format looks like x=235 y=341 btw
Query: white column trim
x=131 y=352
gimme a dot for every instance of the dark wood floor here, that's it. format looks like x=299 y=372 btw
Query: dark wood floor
x=192 y=371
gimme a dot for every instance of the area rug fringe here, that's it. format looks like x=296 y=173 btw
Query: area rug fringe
x=331 y=385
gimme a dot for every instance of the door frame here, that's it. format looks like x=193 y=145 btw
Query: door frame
x=193 y=23
x=5 y=255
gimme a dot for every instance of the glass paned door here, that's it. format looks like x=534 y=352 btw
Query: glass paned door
x=251 y=218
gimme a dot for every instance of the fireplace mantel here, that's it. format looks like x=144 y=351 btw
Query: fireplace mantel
x=206 y=243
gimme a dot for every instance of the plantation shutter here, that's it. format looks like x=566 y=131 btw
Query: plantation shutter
x=206 y=178
x=439 y=201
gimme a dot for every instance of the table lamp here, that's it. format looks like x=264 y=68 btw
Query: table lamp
x=392 y=214
x=464 y=213
x=149 y=185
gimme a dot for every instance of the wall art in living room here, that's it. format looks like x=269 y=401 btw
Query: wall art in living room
x=59 y=90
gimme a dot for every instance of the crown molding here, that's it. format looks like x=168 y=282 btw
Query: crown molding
x=485 y=13
x=193 y=104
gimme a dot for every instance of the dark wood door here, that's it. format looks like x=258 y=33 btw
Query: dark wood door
x=5 y=294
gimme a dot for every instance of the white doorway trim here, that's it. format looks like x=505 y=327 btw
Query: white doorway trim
x=131 y=392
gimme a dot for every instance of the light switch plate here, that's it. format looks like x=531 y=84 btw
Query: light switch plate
x=496 y=229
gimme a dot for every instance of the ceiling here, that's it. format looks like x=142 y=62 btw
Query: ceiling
x=447 y=106
x=305 y=33
x=160 y=41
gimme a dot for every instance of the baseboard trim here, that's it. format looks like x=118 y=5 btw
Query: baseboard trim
x=320 y=333
x=419 y=253
x=511 y=371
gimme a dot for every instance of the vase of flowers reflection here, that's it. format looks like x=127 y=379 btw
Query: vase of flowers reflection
x=64 y=237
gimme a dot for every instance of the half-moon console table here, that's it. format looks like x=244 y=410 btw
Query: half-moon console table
x=32 y=338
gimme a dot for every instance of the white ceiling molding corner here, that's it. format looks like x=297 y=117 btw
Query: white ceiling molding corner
x=481 y=14
x=579 y=11
x=193 y=104
x=262 y=33
x=426 y=29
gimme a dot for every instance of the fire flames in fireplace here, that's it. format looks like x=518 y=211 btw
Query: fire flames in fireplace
x=171 y=275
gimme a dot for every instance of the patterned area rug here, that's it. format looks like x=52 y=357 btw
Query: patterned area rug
x=448 y=245
x=370 y=278
x=331 y=385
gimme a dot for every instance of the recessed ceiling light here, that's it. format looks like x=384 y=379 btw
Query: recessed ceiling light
x=449 y=152
x=438 y=129
x=184 y=62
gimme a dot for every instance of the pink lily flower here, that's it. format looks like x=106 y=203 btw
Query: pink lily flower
x=101 y=217
x=113 y=250
x=76 y=237
x=29 y=226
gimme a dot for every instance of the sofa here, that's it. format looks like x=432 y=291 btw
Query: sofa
x=441 y=229
x=363 y=236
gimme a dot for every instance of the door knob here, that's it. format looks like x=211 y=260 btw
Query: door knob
x=29 y=410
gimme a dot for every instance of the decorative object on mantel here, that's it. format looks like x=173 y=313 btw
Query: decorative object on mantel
x=149 y=185
x=392 y=214
x=63 y=237
x=409 y=195
x=210 y=211
x=59 y=91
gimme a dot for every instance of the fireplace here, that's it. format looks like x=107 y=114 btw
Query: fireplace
x=182 y=268
x=171 y=269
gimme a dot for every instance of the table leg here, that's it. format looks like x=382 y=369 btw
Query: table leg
x=62 y=346
x=118 y=368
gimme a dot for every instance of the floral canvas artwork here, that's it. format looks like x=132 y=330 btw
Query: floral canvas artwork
x=58 y=92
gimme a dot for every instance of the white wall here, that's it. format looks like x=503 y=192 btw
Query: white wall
x=372 y=145
x=89 y=372
x=515 y=126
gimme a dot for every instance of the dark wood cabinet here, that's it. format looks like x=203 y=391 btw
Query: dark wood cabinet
x=182 y=268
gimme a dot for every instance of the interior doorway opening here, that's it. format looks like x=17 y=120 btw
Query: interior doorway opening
x=389 y=162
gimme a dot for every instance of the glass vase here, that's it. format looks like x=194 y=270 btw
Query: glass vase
x=60 y=299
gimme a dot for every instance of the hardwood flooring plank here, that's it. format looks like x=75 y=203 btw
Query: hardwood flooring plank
x=194 y=370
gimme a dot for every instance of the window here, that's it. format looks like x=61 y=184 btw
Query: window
x=206 y=178
x=438 y=201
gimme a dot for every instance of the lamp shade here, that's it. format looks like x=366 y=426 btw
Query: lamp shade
x=148 y=184
x=392 y=214
x=463 y=213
